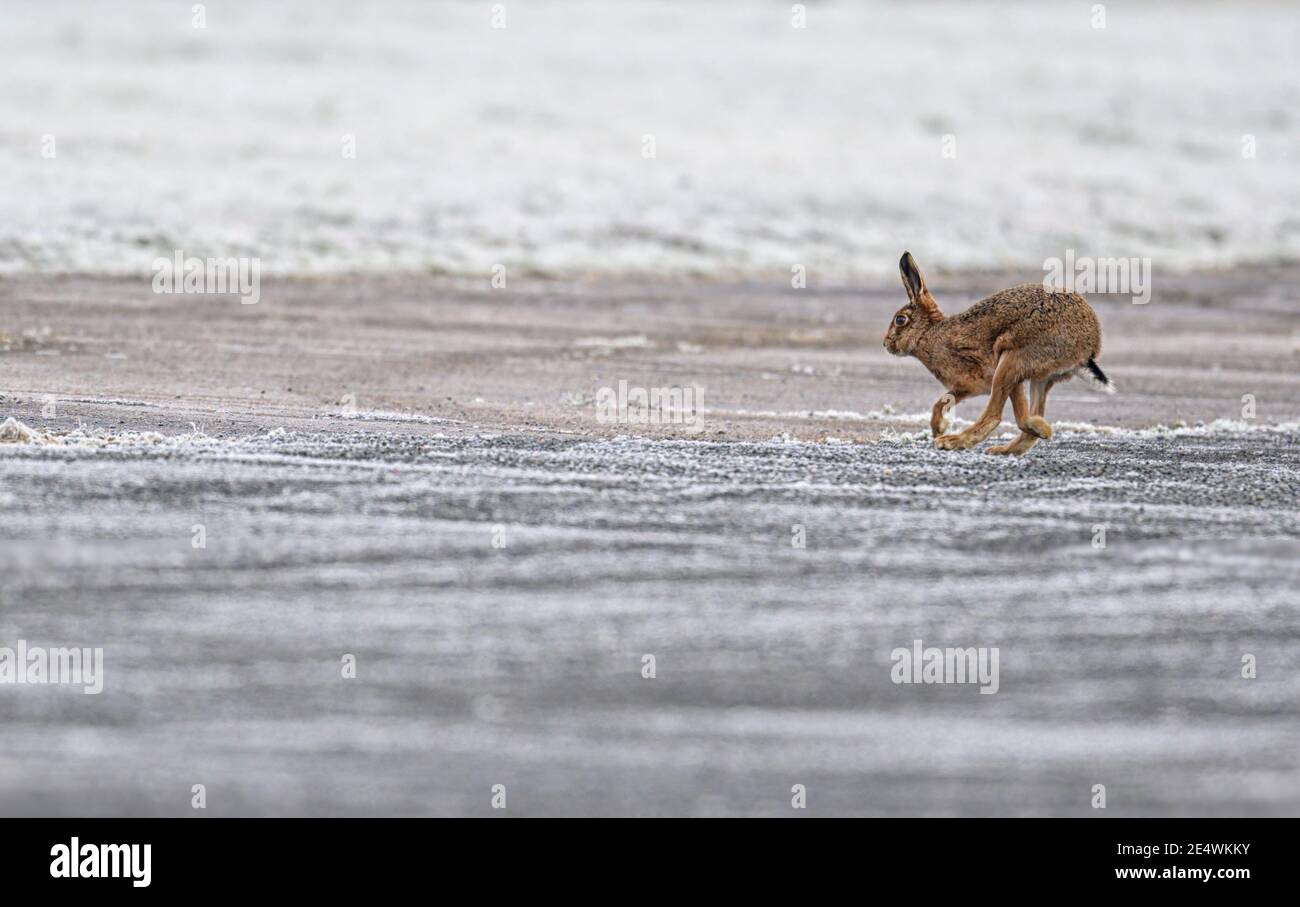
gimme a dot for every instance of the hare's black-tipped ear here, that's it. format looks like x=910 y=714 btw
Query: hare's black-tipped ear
x=917 y=291
x=913 y=282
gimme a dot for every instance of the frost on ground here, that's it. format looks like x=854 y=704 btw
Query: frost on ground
x=500 y=593
x=387 y=416
x=14 y=432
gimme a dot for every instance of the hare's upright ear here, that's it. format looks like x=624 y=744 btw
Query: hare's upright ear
x=913 y=281
x=917 y=291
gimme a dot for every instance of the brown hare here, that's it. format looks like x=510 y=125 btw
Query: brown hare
x=1026 y=333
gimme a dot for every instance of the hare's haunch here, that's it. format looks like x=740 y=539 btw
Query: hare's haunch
x=1027 y=334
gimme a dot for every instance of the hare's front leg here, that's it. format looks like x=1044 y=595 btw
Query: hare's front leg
x=1006 y=379
x=939 y=420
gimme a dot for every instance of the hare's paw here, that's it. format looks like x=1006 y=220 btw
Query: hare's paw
x=955 y=442
x=1038 y=427
x=1017 y=447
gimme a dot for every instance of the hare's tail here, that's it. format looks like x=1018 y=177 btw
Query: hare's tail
x=1093 y=373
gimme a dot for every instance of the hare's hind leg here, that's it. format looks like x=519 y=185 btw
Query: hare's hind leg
x=1006 y=380
x=1029 y=417
x=1021 y=408
x=1038 y=406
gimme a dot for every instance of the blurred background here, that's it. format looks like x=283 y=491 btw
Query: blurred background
x=979 y=135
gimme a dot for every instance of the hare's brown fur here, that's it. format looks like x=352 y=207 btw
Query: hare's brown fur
x=1025 y=334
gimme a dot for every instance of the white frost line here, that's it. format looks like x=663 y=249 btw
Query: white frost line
x=13 y=431
x=842 y=415
x=102 y=401
x=1179 y=429
x=386 y=416
x=628 y=342
x=1182 y=430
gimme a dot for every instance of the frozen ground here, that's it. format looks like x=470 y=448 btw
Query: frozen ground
x=521 y=665
x=368 y=528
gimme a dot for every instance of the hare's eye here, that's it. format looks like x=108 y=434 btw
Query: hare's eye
x=900 y=320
